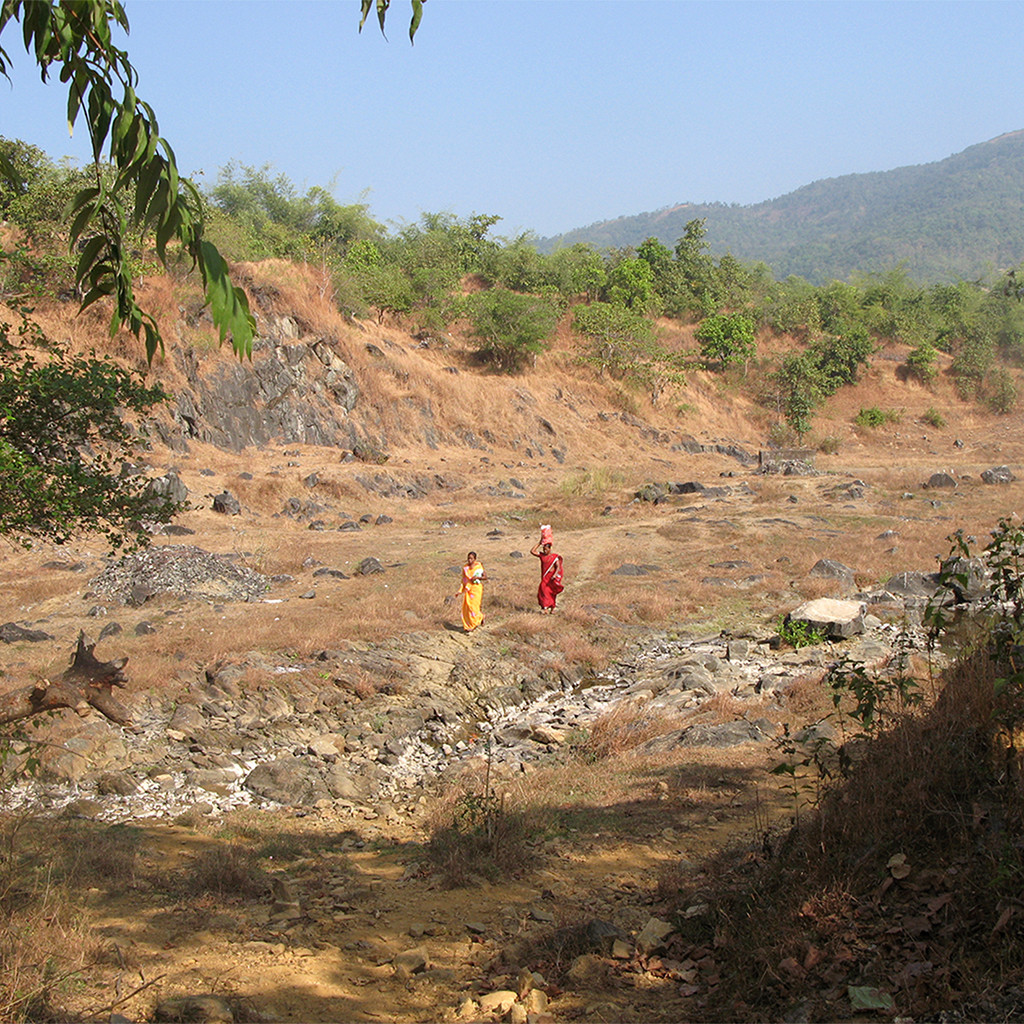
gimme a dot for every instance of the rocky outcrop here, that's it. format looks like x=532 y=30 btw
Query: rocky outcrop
x=301 y=392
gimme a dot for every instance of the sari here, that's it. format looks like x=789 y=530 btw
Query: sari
x=472 y=595
x=550 y=579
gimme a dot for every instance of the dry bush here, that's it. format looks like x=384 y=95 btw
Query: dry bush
x=484 y=829
x=625 y=726
x=44 y=946
x=92 y=857
x=227 y=871
x=937 y=786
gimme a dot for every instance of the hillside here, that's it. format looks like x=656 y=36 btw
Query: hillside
x=958 y=218
x=278 y=835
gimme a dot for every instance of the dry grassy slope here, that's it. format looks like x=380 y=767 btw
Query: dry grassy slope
x=613 y=439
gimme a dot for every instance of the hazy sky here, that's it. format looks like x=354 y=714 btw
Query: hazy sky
x=554 y=114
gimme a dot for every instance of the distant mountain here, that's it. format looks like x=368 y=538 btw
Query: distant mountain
x=962 y=217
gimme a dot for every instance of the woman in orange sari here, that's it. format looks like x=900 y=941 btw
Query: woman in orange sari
x=472 y=591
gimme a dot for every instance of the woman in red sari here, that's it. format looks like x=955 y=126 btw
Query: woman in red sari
x=550 y=576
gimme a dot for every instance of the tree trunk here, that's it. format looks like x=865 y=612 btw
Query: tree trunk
x=86 y=684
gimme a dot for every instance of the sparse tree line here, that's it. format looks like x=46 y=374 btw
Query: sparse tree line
x=613 y=299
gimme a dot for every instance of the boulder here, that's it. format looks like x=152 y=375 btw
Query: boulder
x=998 y=475
x=836 y=619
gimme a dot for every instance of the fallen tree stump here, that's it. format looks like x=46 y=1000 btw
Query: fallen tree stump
x=87 y=684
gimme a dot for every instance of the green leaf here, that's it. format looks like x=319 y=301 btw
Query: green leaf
x=867 y=997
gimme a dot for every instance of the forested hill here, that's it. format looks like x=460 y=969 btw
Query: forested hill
x=962 y=217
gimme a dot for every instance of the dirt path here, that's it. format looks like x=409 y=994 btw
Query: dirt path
x=353 y=894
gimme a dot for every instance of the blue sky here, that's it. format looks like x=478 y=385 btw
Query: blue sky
x=554 y=114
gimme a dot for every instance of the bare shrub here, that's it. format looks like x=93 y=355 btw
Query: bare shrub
x=625 y=726
x=104 y=856
x=482 y=831
x=227 y=870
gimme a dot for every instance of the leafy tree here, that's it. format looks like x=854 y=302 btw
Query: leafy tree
x=63 y=437
x=800 y=391
x=511 y=327
x=576 y=271
x=518 y=265
x=631 y=284
x=727 y=338
x=921 y=362
x=624 y=344
x=1000 y=391
x=793 y=308
x=839 y=359
x=972 y=361
x=146 y=190
x=696 y=266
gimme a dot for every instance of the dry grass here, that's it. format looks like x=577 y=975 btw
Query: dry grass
x=927 y=788
x=625 y=726
x=484 y=829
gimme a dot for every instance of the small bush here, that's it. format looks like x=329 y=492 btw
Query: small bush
x=371 y=452
x=479 y=832
x=1000 y=391
x=829 y=445
x=934 y=418
x=798 y=633
x=625 y=726
x=230 y=870
x=875 y=417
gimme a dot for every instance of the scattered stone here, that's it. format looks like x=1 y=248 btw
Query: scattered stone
x=940 y=481
x=653 y=935
x=369 y=566
x=500 y=1001
x=828 y=568
x=182 y=570
x=207 y=1009
x=412 y=961
x=998 y=475
x=629 y=569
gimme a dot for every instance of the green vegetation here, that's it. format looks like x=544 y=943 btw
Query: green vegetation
x=63 y=439
x=727 y=338
x=875 y=417
x=445 y=269
x=914 y=786
x=511 y=327
x=797 y=633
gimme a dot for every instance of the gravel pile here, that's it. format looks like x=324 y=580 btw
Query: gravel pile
x=181 y=570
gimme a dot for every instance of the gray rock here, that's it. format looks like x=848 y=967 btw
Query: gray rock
x=11 y=632
x=653 y=935
x=205 y=1009
x=998 y=475
x=836 y=619
x=829 y=568
x=941 y=481
x=167 y=488
x=226 y=503
x=287 y=780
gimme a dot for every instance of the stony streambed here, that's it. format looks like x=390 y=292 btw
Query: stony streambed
x=287 y=745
